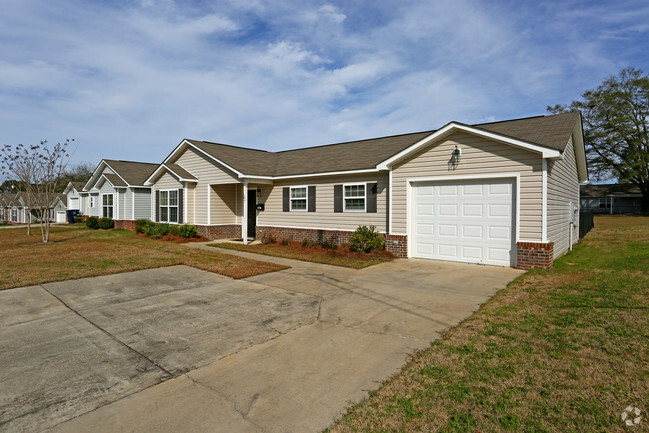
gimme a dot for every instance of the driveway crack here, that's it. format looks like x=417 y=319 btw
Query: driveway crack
x=167 y=372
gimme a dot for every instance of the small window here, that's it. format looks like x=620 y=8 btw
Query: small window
x=92 y=201
x=107 y=205
x=168 y=206
x=605 y=203
x=354 y=198
x=299 y=198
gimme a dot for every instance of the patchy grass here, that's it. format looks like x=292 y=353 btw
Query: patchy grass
x=79 y=252
x=341 y=256
x=565 y=350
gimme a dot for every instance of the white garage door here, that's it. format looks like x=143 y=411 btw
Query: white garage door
x=470 y=221
x=60 y=217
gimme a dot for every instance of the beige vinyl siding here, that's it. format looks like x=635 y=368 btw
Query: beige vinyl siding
x=480 y=156
x=107 y=170
x=563 y=188
x=143 y=203
x=121 y=198
x=189 y=194
x=127 y=209
x=208 y=173
x=324 y=217
x=225 y=204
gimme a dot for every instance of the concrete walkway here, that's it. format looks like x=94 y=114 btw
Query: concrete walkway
x=303 y=376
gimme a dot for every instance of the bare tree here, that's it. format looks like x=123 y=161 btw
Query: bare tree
x=39 y=168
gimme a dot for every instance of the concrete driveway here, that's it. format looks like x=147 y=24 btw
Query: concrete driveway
x=179 y=349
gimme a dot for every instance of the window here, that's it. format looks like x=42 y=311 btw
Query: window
x=107 y=205
x=605 y=203
x=354 y=198
x=14 y=215
x=168 y=206
x=299 y=198
x=92 y=201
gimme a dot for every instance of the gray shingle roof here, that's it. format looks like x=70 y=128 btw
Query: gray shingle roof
x=135 y=173
x=180 y=171
x=114 y=179
x=607 y=189
x=549 y=131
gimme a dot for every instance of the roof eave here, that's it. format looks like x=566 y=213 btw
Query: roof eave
x=452 y=127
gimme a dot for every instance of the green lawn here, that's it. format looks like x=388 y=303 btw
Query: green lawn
x=565 y=350
x=78 y=252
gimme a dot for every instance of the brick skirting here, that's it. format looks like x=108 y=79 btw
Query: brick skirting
x=534 y=255
x=125 y=224
x=396 y=244
x=226 y=231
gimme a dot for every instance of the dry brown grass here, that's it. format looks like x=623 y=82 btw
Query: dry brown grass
x=341 y=256
x=79 y=252
x=564 y=350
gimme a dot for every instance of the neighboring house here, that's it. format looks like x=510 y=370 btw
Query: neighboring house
x=502 y=193
x=58 y=212
x=611 y=198
x=6 y=201
x=73 y=191
x=16 y=210
x=116 y=189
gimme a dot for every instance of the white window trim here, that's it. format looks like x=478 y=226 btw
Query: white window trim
x=290 y=199
x=168 y=206
x=103 y=206
x=364 y=197
x=92 y=202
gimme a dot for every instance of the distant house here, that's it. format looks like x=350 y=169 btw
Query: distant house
x=611 y=198
x=15 y=209
x=116 y=189
x=73 y=191
x=501 y=193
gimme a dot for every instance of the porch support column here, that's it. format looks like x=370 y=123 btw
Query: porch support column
x=244 y=222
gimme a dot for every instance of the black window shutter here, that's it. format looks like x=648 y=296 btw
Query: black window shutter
x=286 y=201
x=338 y=198
x=180 y=206
x=311 y=204
x=370 y=194
x=157 y=205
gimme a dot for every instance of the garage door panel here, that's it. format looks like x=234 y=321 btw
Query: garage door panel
x=448 y=210
x=472 y=232
x=468 y=221
x=472 y=210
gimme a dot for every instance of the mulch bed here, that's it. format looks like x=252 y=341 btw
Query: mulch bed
x=174 y=238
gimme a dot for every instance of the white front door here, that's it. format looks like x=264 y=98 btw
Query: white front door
x=465 y=221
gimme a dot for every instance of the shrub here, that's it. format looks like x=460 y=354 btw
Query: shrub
x=268 y=239
x=187 y=231
x=308 y=243
x=173 y=230
x=366 y=239
x=141 y=224
x=285 y=242
x=92 y=223
x=329 y=244
x=78 y=219
x=106 y=223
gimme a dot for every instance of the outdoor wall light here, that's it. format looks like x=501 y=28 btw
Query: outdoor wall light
x=455 y=156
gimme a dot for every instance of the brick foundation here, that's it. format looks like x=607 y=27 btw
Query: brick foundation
x=125 y=224
x=397 y=245
x=226 y=231
x=534 y=255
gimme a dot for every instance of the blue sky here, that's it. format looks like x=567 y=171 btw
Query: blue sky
x=129 y=79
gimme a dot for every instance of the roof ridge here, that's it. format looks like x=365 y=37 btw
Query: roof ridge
x=357 y=141
x=524 y=118
x=132 y=162
x=229 y=145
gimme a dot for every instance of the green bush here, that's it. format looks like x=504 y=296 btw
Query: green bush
x=141 y=224
x=187 y=231
x=106 y=223
x=366 y=239
x=92 y=223
x=78 y=219
x=329 y=244
x=173 y=230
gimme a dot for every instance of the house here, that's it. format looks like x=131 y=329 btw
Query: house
x=116 y=189
x=73 y=191
x=501 y=193
x=6 y=200
x=611 y=198
x=17 y=211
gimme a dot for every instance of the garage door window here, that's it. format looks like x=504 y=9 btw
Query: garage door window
x=354 y=198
